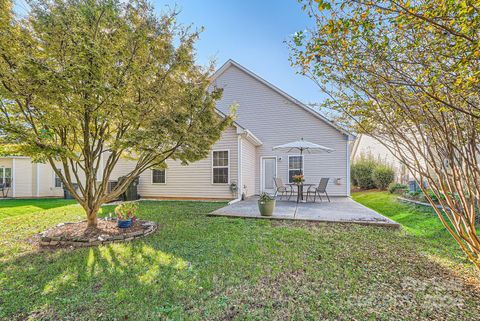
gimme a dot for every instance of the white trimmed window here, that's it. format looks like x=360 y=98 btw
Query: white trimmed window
x=295 y=166
x=58 y=181
x=220 y=166
x=6 y=176
x=159 y=176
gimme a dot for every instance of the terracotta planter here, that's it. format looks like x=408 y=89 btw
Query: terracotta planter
x=266 y=208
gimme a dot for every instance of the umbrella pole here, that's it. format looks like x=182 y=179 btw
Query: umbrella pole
x=301 y=173
x=301 y=154
x=299 y=189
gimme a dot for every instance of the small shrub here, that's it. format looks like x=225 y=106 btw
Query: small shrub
x=414 y=195
x=353 y=180
x=397 y=188
x=382 y=176
x=126 y=211
x=363 y=170
x=369 y=172
x=421 y=197
x=265 y=197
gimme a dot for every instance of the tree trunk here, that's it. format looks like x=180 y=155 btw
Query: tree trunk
x=92 y=217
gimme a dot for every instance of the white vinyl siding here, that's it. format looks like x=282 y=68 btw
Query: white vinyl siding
x=46 y=179
x=275 y=120
x=190 y=181
x=249 y=162
x=22 y=177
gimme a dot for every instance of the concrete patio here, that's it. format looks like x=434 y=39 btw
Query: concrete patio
x=339 y=210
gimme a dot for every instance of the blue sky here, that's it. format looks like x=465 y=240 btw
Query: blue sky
x=251 y=33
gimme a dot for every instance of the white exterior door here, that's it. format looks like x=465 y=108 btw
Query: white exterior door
x=269 y=170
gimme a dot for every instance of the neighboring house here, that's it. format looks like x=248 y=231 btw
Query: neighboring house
x=20 y=177
x=243 y=157
x=366 y=145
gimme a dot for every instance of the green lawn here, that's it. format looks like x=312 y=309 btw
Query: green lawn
x=15 y=207
x=211 y=268
x=419 y=221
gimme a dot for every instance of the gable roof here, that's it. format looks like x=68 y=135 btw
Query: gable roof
x=296 y=102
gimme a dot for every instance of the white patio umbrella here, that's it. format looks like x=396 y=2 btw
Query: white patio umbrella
x=303 y=145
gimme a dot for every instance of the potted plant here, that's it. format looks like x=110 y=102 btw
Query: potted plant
x=233 y=188
x=126 y=214
x=298 y=179
x=266 y=204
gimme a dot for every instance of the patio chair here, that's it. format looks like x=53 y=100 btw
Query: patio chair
x=320 y=189
x=281 y=188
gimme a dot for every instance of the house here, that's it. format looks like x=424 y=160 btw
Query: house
x=23 y=178
x=242 y=162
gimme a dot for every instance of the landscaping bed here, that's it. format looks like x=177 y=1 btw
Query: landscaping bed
x=418 y=198
x=78 y=234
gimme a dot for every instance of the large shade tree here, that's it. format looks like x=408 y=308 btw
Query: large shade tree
x=84 y=83
x=407 y=73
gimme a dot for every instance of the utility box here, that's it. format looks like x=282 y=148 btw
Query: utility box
x=413 y=186
x=131 y=193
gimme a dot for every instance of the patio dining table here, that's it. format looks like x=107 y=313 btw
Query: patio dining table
x=300 y=187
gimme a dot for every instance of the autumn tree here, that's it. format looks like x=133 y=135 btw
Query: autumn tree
x=407 y=73
x=84 y=83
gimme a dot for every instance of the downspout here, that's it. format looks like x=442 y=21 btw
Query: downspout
x=348 y=167
x=239 y=171
x=14 y=178
x=38 y=180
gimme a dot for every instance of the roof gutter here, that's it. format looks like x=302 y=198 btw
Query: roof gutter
x=13 y=157
x=248 y=135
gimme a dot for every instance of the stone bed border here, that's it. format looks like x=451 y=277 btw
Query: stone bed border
x=406 y=200
x=149 y=227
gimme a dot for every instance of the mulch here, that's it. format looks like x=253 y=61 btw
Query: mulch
x=80 y=230
x=79 y=234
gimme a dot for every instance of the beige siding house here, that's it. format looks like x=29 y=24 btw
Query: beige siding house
x=277 y=118
x=241 y=163
x=195 y=180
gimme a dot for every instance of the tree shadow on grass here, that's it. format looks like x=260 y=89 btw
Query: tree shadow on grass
x=117 y=280
x=318 y=272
